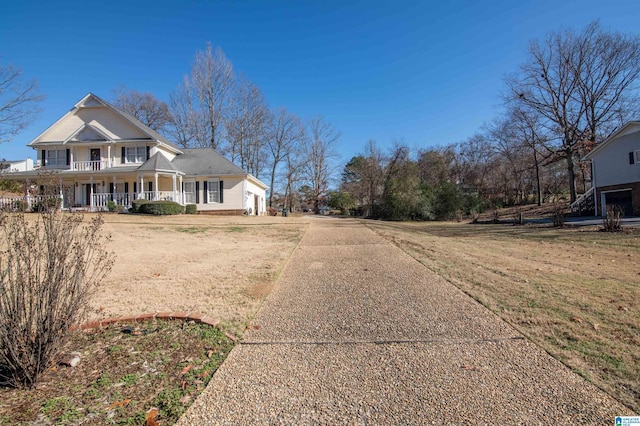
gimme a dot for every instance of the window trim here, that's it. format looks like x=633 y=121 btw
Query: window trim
x=213 y=188
x=61 y=157
x=138 y=159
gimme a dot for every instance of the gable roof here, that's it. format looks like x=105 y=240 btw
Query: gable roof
x=93 y=101
x=627 y=128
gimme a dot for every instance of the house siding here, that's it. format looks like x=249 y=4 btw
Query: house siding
x=611 y=165
x=232 y=199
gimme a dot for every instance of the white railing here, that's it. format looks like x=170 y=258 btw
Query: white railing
x=25 y=203
x=88 y=166
x=161 y=196
x=582 y=201
x=101 y=201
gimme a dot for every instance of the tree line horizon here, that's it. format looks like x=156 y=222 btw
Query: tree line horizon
x=574 y=89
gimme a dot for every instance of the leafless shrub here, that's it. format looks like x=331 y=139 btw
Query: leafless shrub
x=495 y=216
x=518 y=217
x=612 y=222
x=49 y=268
x=559 y=214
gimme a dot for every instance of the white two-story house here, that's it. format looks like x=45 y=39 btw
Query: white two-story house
x=615 y=171
x=98 y=153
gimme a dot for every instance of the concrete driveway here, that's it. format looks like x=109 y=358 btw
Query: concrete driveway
x=358 y=332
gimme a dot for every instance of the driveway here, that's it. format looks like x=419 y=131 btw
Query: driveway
x=358 y=332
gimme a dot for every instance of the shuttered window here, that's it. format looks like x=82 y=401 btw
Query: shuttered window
x=213 y=191
x=55 y=157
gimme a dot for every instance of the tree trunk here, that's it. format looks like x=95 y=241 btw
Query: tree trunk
x=572 y=174
x=273 y=176
x=538 y=186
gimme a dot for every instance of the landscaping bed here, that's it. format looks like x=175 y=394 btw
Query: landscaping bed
x=128 y=374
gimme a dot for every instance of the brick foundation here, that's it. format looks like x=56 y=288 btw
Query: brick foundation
x=222 y=212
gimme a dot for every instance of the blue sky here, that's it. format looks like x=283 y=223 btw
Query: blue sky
x=425 y=73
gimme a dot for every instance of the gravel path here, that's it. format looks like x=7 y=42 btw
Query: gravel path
x=357 y=332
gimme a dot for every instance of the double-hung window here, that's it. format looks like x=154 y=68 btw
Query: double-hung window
x=189 y=192
x=136 y=154
x=56 y=157
x=213 y=191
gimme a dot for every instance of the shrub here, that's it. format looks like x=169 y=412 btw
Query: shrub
x=160 y=208
x=136 y=204
x=191 y=209
x=559 y=215
x=612 y=222
x=112 y=206
x=271 y=211
x=49 y=269
x=47 y=204
x=21 y=206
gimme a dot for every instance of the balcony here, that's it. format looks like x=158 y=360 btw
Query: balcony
x=89 y=166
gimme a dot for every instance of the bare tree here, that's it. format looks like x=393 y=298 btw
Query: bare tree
x=148 y=109
x=18 y=101
x=200 y=104
x=364 y=176
x=293 y=165
x=580 y=85
x=317 y=152
x=285 y=133
x=246 y=127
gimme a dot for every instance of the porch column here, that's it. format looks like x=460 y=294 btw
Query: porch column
x=109 y=156
x=141 y=190
x=61 y=195
x=91 y=192
x=71 y=159
x=114 y=189
x=156 y=195
x=175 y=192
x=181 y=191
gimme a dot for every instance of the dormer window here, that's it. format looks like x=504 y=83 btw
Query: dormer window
x=136 y=154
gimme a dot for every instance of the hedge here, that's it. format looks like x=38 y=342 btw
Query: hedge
x=136 y=204
x=191 y=209
x=160 y=208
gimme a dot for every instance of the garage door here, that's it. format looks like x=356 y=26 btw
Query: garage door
x=622 y=199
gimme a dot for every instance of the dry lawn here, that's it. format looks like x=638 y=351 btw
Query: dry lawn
x=574 y=292
x=219 y=266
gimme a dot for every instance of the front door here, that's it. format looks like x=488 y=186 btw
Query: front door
x=95 y=158
x=87 y=193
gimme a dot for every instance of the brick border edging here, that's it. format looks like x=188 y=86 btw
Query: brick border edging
x=186 y=316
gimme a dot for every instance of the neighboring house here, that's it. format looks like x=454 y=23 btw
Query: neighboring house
x=12 y=166
x=615 y=171
x=99 y=153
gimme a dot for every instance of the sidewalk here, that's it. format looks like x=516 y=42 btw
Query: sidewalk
x=357 y=332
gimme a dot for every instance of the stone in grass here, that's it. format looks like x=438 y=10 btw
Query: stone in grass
x=71 y=360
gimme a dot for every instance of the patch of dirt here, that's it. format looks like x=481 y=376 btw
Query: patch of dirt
x=260 y=290
x=125 y=370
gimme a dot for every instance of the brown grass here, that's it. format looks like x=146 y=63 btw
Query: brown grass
x=574 y=292
x=221 y=267
x=218 y=266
